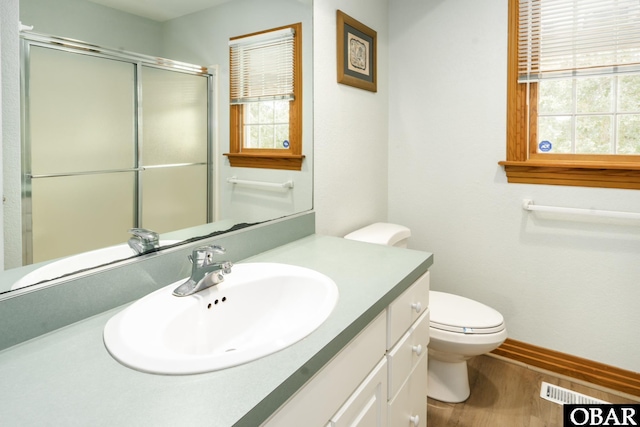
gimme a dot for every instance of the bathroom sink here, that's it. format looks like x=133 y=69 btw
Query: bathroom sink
x=258 y=309
x=78 y=262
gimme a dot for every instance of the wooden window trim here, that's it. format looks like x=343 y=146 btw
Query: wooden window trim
x=291 y=158
x=525 y=166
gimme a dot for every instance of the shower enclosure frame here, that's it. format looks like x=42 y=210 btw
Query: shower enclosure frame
x=29 y=39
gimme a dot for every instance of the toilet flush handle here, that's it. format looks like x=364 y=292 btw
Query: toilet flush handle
x=417 y=307
x=415 y=420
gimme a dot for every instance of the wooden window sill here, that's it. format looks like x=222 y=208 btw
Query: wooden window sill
x=574 y=173
x=266 y=161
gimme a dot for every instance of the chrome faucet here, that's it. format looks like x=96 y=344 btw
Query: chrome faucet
x=204 y=271
x=143 y=240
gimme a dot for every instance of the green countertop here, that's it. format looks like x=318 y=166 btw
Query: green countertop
x=67 y=378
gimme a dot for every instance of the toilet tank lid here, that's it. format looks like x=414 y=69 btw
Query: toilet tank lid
x=382 y=233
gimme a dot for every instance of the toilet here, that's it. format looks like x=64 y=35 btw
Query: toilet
x=459 y=328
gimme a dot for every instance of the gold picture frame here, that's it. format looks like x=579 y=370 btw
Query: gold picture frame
x=357 y=53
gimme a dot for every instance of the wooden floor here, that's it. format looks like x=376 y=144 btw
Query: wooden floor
x=506 y=394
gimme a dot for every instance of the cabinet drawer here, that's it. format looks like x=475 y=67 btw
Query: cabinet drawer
x=324 y=393
x=407 y=352
x=409 y=407
x=406 y=309
x=367 y=406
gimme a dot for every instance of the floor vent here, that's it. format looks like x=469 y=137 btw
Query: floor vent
x=561 y=395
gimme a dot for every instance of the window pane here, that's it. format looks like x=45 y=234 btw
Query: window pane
x=266 y=137
x=593 y=135
x=629 y=134
x=282 y=136
x=266 y=124
x=251 y=136
x=629 y=93
x=252 y=113
x=266 y=112
x=281 y=112
x=556 y=130
x=555 y=96
x=594 y=95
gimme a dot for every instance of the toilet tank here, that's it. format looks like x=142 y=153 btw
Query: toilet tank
x=382 y=233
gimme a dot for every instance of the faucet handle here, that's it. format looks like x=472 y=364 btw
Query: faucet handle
x=216 y=249
x=143 y=240
x=145 y=235
x=226 y=267
x=203 y=255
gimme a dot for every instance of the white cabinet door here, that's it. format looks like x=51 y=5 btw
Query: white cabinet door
x=409 y=407
x=367 y=406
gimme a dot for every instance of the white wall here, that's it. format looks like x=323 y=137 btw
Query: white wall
x=350 y=126
x=561 y=283
x=93 y=23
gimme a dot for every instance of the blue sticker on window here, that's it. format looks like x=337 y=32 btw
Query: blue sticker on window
x=545 y=146
x=285 y=143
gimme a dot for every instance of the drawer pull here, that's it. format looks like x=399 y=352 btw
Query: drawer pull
x=417 y=349
x=415 y=420
x=417 y=307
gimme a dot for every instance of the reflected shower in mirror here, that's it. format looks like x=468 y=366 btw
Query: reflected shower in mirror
x=112 y=141
x=161 y=169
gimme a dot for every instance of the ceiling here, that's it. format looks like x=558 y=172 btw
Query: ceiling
x=159 y=10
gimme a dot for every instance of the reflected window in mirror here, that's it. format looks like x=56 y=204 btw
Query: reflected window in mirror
x=266 y=99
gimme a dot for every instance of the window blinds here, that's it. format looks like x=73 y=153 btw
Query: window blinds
x=566 y=38
x=262 y=67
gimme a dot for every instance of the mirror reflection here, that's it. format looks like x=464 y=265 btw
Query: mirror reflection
x=174 y=180
x=111 y=141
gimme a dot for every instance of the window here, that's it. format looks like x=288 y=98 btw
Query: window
x=574 y=93
x=266 y=99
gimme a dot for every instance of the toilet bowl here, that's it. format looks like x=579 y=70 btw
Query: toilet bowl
x=459 y=328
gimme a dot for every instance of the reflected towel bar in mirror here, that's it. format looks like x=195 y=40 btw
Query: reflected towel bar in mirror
x=234 y=180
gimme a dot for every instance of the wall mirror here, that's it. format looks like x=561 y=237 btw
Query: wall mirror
x=197 y=33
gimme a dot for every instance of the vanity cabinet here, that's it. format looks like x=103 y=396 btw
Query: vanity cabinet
x=407 y=355
x=379 y=379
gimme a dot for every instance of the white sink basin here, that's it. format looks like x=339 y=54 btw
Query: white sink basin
x=259 y=309
x=78 y=262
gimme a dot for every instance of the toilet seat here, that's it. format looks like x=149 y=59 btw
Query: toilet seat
x=455 y=313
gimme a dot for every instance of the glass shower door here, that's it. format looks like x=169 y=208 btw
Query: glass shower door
x=174 y=149
x=79 y=163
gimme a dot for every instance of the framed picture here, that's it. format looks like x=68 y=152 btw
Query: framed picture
x=356 y=53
